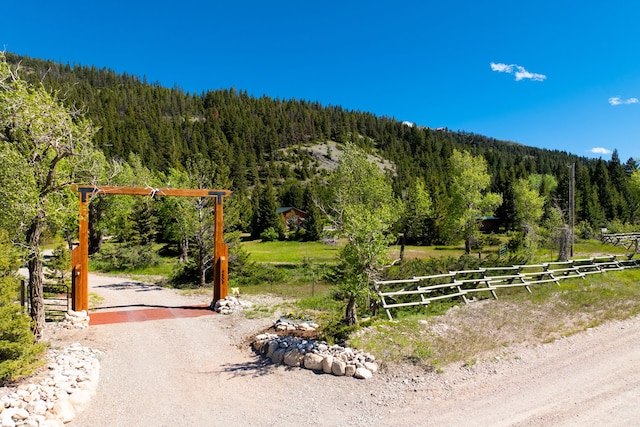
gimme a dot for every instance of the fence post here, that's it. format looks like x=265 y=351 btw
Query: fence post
x=23 y=294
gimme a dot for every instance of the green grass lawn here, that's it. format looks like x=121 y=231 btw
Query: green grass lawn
x=291 y=252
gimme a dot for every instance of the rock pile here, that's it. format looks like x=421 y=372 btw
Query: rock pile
x=75 y=319
x=64 y=390
x=284 y=324
x=316 y=355
x=230 y=305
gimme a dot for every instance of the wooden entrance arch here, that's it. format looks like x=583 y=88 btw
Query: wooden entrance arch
x=80 y=254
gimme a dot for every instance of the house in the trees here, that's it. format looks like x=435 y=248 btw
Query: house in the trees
x=293 y=217
x=490 y=224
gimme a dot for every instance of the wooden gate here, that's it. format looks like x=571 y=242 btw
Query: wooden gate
x=80 y=254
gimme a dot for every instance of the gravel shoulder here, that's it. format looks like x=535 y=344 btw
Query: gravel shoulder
x=200 y=372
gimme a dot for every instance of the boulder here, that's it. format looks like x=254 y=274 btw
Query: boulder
x=327 y=362
x=349 y=370
x=372 y=367
x=293 y=358
x=363 y=373
x=313 y=361
x=338 y=367
x=64 y=410
x=278 y=355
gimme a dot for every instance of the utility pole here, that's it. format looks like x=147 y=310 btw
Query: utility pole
x=572 y=206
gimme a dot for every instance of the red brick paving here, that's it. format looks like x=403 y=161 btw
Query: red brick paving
x=144 y=314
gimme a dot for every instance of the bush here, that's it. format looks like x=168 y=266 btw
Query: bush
x=19 y=353
x=617 y=226
x=57 y=269
x=185 y=276
x=269 y=235
x=584 y=230
x=336 y=331
x=116 y=257
x=431 y=266
x=255 y=274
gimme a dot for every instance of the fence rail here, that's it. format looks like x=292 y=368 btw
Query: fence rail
x=630 y=241
x=56 y=299
x=422 y=290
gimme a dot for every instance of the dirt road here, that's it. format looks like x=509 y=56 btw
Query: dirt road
x=196 y=372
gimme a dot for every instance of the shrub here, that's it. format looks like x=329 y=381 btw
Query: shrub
x=336 y=331
x=269 y=235
x=584 y=230
x=58 y=266
x=116 y=257
x=185 y=275
x=255 y=273
x=19 y=353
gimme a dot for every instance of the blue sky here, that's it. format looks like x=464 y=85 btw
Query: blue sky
x=548 y=74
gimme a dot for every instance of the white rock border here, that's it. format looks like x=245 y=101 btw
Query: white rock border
x=65 y=390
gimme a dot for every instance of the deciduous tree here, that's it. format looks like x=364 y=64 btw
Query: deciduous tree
x=417 y=212
x=44 y=147
x=470 y=197
x=363 y=210
x=529 y=208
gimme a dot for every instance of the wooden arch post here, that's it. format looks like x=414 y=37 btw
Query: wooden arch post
x=80 y=254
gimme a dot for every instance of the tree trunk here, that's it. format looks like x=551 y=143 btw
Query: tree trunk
x=351 y=317
x=467 y=245
x=202 y=266
x=184 y=249
x=69 y=238
x=34 y=264
x=563 y=254
x=95 y=235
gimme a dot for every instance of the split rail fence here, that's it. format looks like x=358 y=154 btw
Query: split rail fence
x=630 y=241
x=422 y=290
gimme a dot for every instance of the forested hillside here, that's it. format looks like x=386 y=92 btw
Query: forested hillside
x=262 y=141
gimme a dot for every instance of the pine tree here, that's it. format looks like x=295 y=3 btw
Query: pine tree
x=144 y=221
x=313 y=223
x=19 y=354
x=266 y=215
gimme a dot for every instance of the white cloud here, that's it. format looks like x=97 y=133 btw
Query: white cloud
x=600 y=150
x=407 y=123
x=503 y=68
x=520 y=72
x=616 y=100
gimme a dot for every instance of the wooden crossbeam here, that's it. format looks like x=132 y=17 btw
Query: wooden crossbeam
x=150 y=191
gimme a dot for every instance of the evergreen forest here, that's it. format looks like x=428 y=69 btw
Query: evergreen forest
x=259 y=143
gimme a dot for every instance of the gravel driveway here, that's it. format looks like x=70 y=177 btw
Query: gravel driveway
x=198 y=372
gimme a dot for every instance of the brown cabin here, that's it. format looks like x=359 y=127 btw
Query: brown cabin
x=290 y=214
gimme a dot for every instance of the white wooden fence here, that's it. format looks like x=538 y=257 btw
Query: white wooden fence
x=422 y=290
x=630 y=241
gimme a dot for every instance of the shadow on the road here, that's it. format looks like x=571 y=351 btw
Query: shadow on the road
x=132 y=286
x=259 y=367
x=184 y=307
